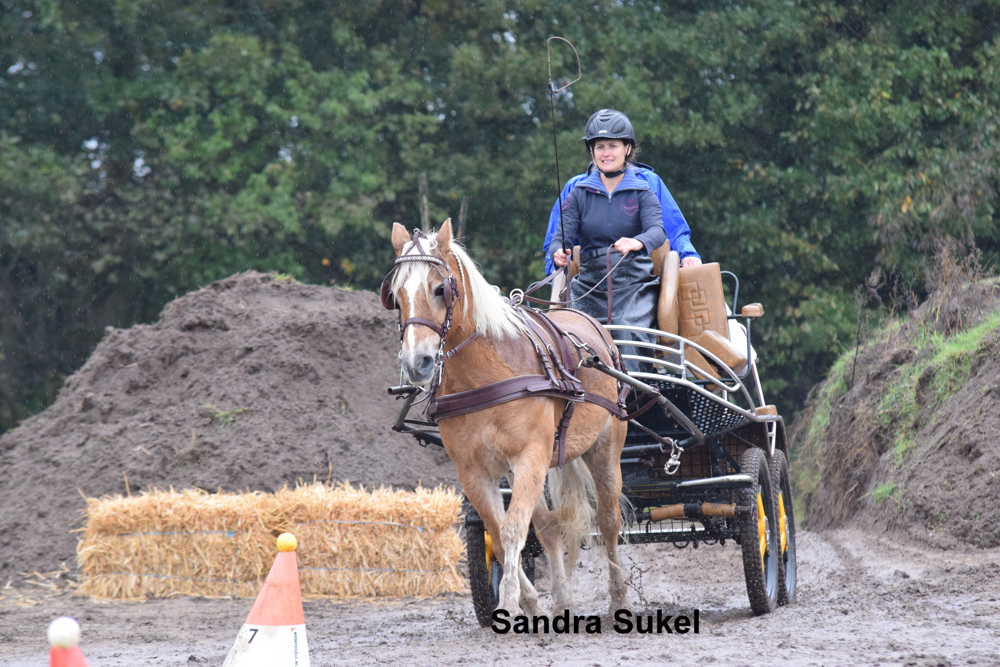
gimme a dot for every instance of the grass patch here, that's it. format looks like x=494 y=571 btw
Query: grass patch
x=950 y=367
x=898 y=402
x=223 y=417
x=286 y=278
x=884 y=492
x=965 y=342
x=904 y=446
x=837 y=378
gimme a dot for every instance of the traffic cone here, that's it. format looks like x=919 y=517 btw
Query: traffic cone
x=274 y=634
x=64 y=636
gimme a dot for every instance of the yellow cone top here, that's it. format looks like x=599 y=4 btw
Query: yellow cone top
x=287 y=542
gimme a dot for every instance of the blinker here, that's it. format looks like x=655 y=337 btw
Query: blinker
x=385 y=293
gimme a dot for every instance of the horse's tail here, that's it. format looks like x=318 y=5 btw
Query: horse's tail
x=574 y=499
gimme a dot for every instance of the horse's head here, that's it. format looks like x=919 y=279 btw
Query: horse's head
x=426 y=290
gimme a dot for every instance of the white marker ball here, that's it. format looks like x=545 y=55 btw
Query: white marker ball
x=64 y=632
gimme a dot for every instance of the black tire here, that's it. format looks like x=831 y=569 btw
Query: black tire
x=484 y=580
x=760 y=561
x=782 y=480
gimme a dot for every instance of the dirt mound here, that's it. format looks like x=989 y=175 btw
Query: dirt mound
x=908 y=436
x=252 y=382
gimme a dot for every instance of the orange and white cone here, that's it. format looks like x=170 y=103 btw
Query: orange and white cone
x=274 y=634
x=64 y=636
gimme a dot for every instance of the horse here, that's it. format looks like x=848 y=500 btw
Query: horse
x=459 y=334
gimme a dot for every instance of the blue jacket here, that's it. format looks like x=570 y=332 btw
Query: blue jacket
x=595 y=219
x=674 y=224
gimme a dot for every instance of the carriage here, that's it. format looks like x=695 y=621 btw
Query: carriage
x=705 y=458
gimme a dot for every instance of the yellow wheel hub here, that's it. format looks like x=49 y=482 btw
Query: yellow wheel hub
x=761 y=528
x=489 y=550
x=782 y=524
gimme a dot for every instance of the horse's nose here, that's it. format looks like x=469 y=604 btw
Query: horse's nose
x=419 y=368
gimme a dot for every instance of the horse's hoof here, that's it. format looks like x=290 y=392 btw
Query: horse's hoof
x=513 y=611
x=534 y=609
x=614 y=607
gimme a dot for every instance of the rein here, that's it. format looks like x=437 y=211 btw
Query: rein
x=517 y=296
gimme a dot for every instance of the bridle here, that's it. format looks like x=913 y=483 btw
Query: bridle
x=452 y=295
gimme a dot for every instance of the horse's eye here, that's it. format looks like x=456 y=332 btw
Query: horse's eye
x=439 y=290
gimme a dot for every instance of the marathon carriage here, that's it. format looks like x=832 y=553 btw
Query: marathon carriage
x=705 y=458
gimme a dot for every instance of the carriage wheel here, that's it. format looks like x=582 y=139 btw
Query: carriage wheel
x=486 y=573
x=782 y=480
x=758 y=534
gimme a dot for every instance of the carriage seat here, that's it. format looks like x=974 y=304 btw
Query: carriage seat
x=691 y=304
x=702 y=317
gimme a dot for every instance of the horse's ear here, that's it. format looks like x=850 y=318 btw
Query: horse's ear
x=399 y=237
x=444 y=237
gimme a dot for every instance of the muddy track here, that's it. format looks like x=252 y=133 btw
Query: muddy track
x=863 y=600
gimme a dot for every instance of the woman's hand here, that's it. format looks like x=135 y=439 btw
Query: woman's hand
x=625 y=245
x=559 y=257
x=690 y=261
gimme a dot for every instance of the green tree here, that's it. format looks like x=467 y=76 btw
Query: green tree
x=150 y=147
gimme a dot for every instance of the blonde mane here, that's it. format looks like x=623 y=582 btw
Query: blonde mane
x=494 y=318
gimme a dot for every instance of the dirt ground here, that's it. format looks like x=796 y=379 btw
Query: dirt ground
x=255 y=382
x=863 y=600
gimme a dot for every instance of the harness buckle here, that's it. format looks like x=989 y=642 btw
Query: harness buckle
x=516 y=297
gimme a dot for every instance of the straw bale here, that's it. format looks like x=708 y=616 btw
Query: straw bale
x=351 y=542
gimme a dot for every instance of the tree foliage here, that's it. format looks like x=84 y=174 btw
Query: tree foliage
x=147 y=148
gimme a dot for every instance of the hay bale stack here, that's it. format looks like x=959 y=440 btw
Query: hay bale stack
x=351 y=542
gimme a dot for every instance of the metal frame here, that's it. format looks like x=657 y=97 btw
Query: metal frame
x=677 y=371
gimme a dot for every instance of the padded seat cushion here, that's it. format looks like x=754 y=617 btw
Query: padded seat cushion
x=666 y=309
x=702 y=313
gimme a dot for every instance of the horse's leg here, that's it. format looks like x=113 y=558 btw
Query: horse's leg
x=603 y=459
x=484 y=495
x=549 y=534
x=529 y=481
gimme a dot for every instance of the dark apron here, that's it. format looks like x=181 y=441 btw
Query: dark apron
x=635 y=291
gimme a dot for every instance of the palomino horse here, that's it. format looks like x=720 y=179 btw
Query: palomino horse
x=438 y=290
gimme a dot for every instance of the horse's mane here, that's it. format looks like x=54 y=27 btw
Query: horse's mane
x=494 y=317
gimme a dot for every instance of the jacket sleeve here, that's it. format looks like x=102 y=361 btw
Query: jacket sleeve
x=653 y=235
x=674 y=224
x=571 y=223
x=553 y=229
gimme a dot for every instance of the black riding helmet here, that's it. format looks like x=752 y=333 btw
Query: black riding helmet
x=609 y=124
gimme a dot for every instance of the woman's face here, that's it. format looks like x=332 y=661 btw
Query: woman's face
x=609 y=154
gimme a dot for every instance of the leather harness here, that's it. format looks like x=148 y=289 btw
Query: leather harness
x=551 y=344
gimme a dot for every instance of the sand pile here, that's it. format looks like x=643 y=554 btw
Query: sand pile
x=249 y=383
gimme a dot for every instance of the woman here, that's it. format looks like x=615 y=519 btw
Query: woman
x=613 y=208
